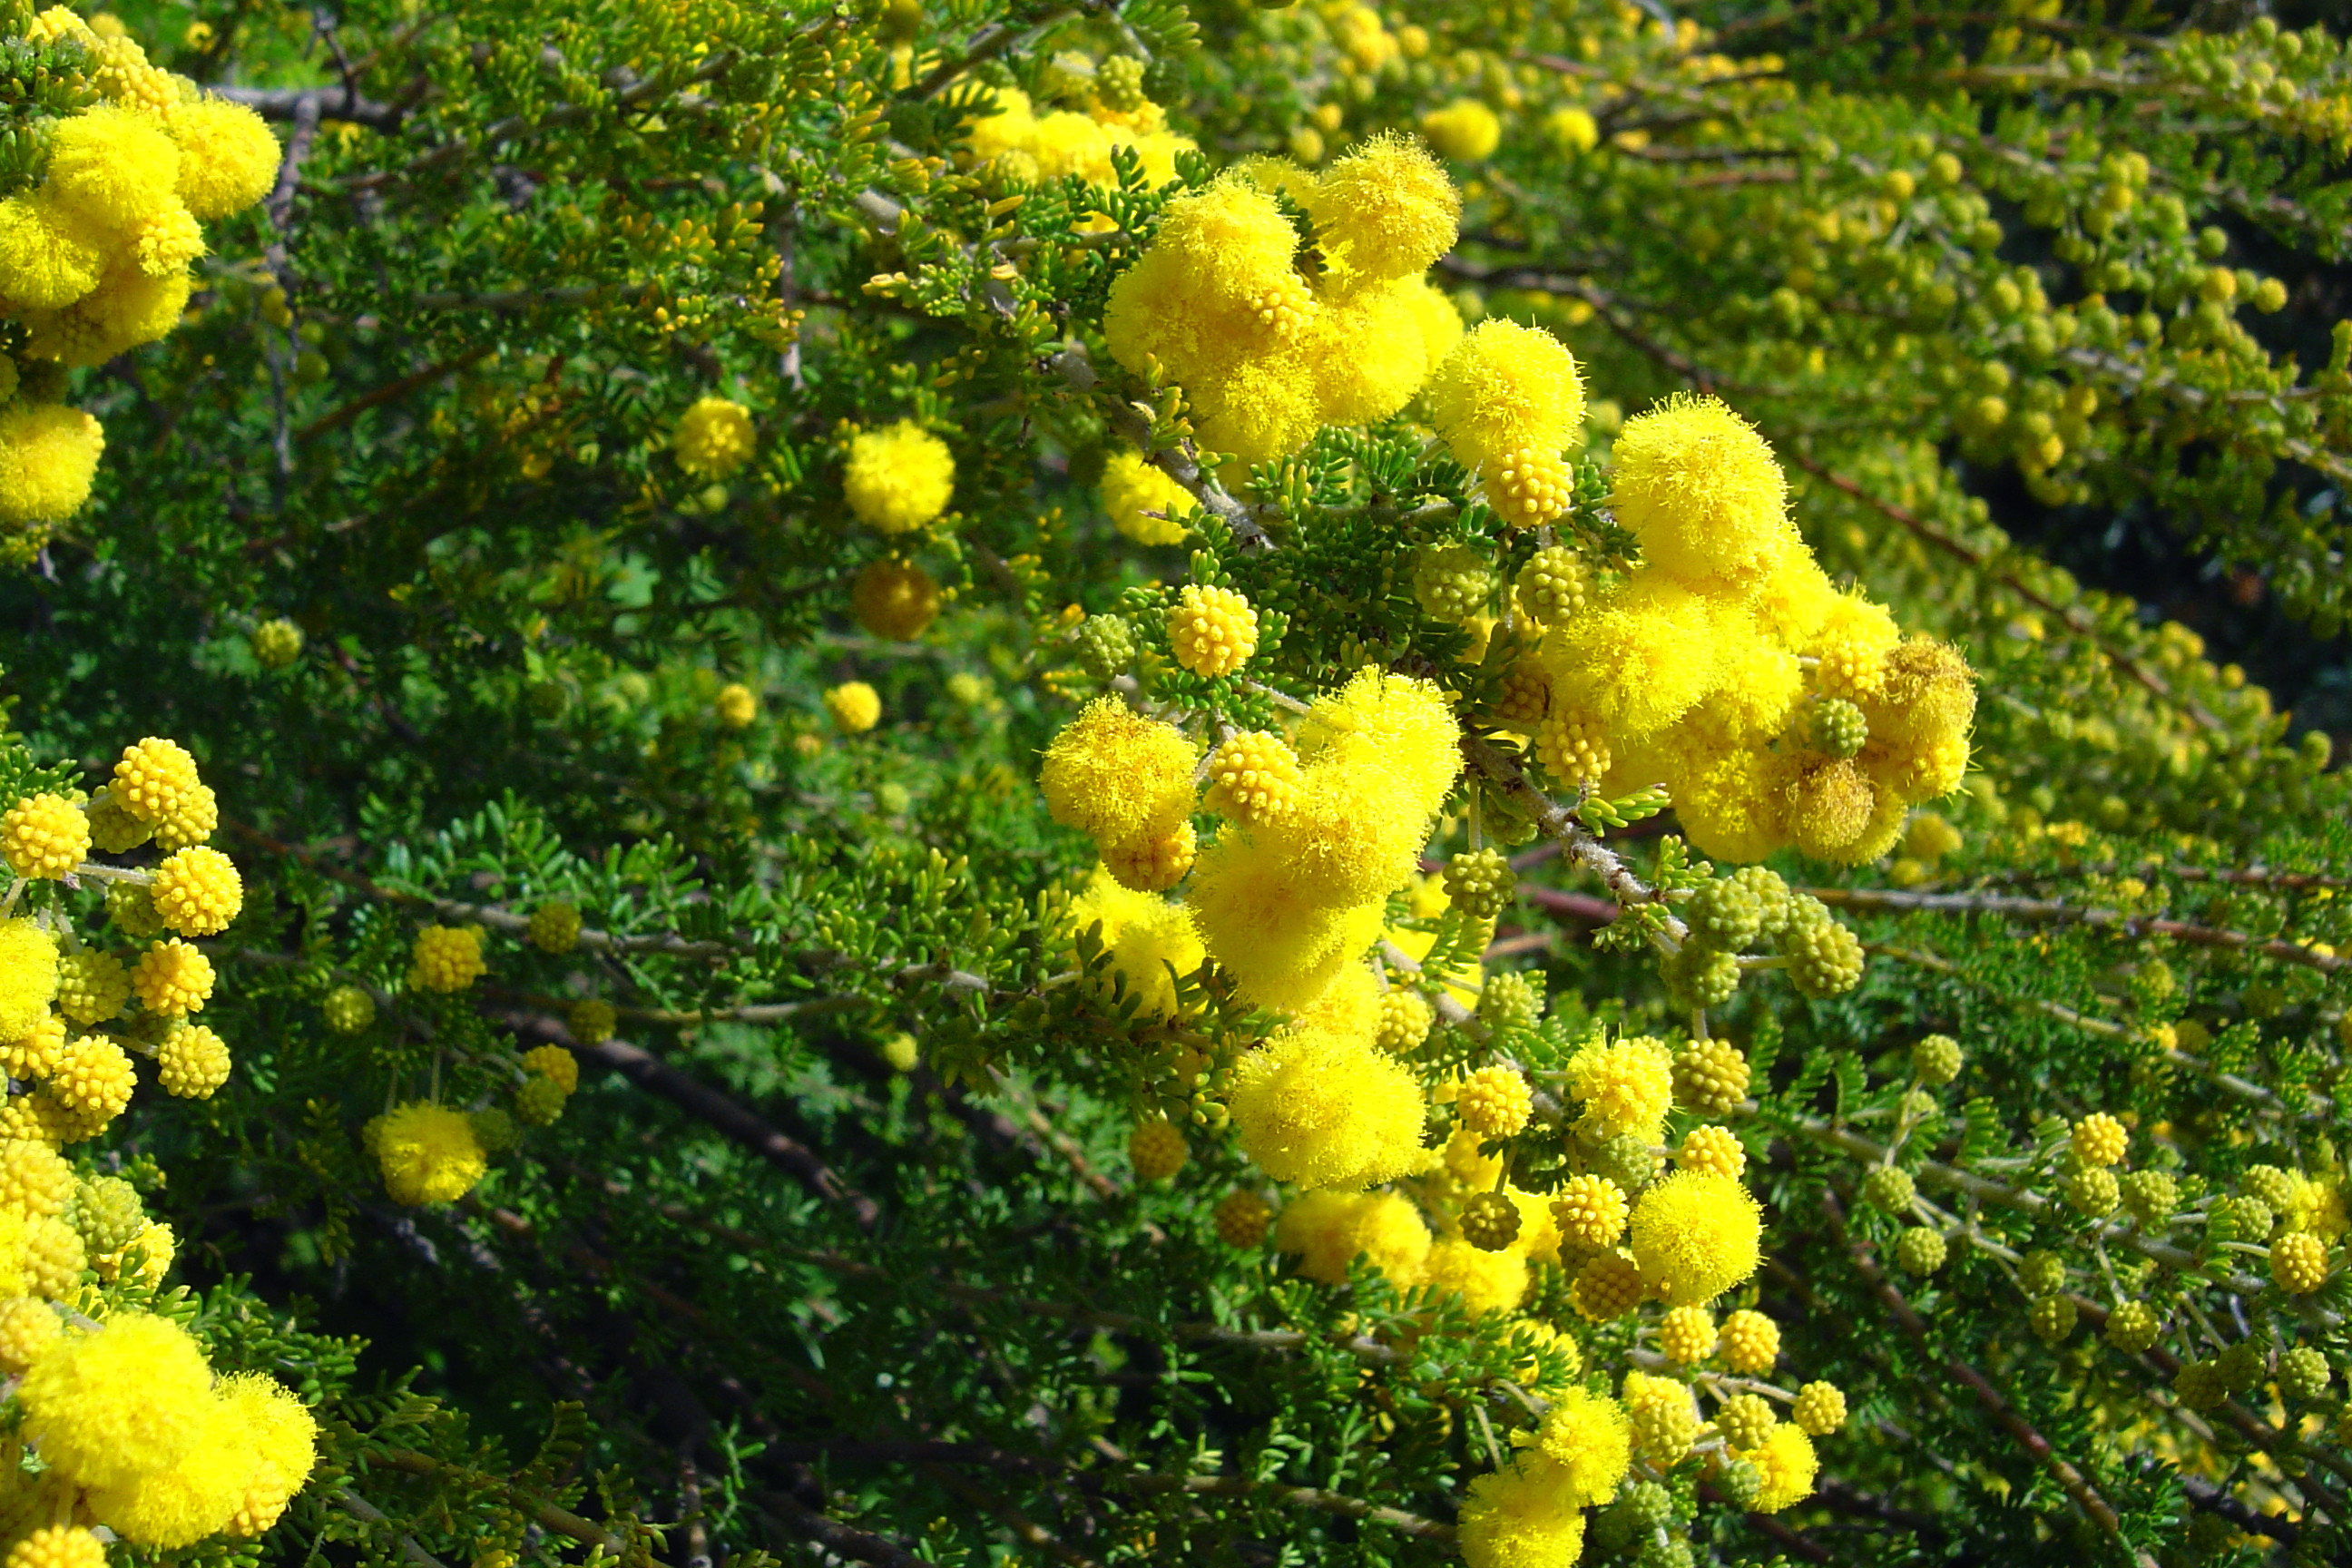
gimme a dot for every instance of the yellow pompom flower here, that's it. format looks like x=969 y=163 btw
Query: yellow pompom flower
x=280 y=1443
x=1214 y=630
x=1750 y=1343
x=1368 y=354
x=167 y=244
x=1626 y=1087
x=2099 y=1140
x=1150 y=939
x=1156 y=1150
x=556 y=1063
x=1396 y=725
x=1715 y=1148
x=172 y=978
x=1687 y=1335
x=1119 y=775
x=1591 y=1211
x=1521 y=1517
x=1495 y=1102
x=1505 y=390
x=1699 y=488
x=448 y=958
x=894 y=600
x=900 y=478
x=44 y=836
x=1527 y=487
x=428 y=1153
x=197 y=891
x=854 y=707
x=1254 y=778
x=1323 y=1110
x=1639 y=658
x=112 y=166
x=1133 y=491
x=151 y=777
x=1695 y=1234
x=48 y=257
x=736 y=705
x=590 y=1021
x=228 y=156
x=1573 y=128
x=1790 y=1464
x=1587 y=1435
x=192 y=1062
x=29 y=977
x=1353 y=836
x=1281 y=949
x=1486 y=1281
x=1465 y=131
x=121 y=1405
x=48 y=457
x=1385 y=209
x=713 y=438
x=1329 y=1231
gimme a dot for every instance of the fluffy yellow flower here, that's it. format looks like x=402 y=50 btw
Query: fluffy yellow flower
x=48 y=257
x=1331 y=1229
x=853 y=706
x=899 y=478
x=1354 y=836
x=1281 y=949
x=1133 y=488
x=1639 y=658
x=1790 y=1464
x=1324 y=1111
x=279 y=1443
x=112 y=166
x=1385 y=209
x=1625 y=1086
x=1521 y=1517
x=1146 y=935
x=228 y=156
x=713 y=438
x=1587 y=1436
x=1486 y=1281
x=1699 y=488
x=1119 y=775
x=117 y=1405
x=428 y=1153
x=1465 y=131
x=48 y=456
x=1505 y=388
x=1395 y=723
x=1695 y=1234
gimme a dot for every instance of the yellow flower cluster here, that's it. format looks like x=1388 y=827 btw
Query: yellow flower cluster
x=63 y=1007
x=1144 y=503
x=137 y=1434
x=1266 y=355
x=1024 y=146
x=446 y=958
x=1774 y=708
x=94 y=259
x=713 y=438
x=897 y=478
